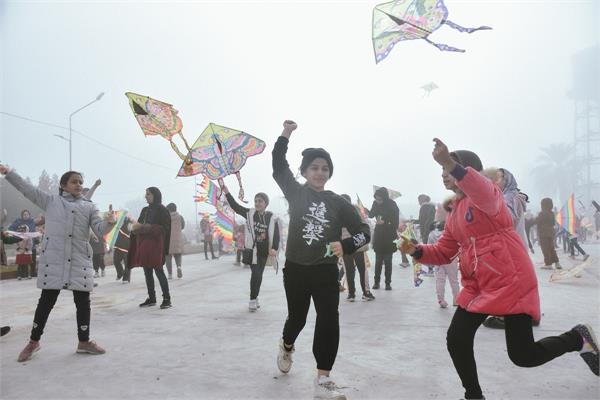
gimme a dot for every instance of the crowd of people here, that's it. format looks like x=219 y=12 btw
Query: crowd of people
x=482 y=233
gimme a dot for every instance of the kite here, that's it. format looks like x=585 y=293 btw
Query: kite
x=410 y=235
x=111 y=237
x=566 y=216
x=430 y=87
x=400 y=20
x=220 y=151
x=392 y=193
x=208 y=194
x=157 y=118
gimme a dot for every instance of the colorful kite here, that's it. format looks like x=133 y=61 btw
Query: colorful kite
x=157 y=118
x=566 y=216
x=394 y=194
x=400 y=20
x=221 y=151
x=209 y=192
x=111 y=237
x=409 y=234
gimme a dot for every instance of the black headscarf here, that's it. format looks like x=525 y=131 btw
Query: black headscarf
x=157 y=214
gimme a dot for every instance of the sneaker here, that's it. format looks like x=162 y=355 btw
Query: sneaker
x=325 y=389
x=103 y=273
x=368 y=297
x=119 y=277
x=589 y=352
x=125 y=281
x=96 y=274
x=284 y=358
x=19 y=278
x=351 y=297
x=4 y=330
x=89 y=347
x=252 y=305
x=388 y=287
x=27 y=353
x=546 y=267
x=215 y=257
x=557 y=265
x=494 y=323
x=443 y=304
x=179 y=273
x=376 y=286
x=166 y=303
x=586 y=257
x=149 y=302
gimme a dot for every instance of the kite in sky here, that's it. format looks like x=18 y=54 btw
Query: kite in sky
x=430 y=87
x=400 y=20
x=220 y=151
x=157 y=118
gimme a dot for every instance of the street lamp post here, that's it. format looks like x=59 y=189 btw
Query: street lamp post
x=71 y=130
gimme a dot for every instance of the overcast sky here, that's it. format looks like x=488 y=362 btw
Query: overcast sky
x=250 y=65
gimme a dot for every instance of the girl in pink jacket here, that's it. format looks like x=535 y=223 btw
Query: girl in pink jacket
x=497 y=274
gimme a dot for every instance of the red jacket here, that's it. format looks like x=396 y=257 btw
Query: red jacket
x=497 y=274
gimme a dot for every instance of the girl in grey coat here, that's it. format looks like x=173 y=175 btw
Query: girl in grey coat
x=66 y=259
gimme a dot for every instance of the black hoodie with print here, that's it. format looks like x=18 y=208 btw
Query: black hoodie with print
x=316 y=218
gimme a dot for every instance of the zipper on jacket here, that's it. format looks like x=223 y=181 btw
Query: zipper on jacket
x=492 y=268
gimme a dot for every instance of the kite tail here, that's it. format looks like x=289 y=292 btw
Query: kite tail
x=241 y=194
x=463 y=29
x=174 y=146
x=443 y=47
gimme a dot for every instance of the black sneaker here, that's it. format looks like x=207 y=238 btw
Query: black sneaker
x=149 y=302
x=591 y=355
x=388 y=287
x=376 y=286
x=494 y=323
x=368 y=296
x=351 y=297
x=4 y=330
x=166 y=304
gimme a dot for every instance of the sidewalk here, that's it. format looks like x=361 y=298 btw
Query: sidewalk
x=208 y=346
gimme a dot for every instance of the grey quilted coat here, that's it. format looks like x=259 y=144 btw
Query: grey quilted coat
x=66 y=255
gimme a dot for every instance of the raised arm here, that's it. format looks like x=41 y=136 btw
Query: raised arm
x=37 y=196
x=239 y=210
x=281 y=169
x=92 y=190
x=359 y=230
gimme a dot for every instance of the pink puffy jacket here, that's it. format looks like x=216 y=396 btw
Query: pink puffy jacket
x=498 y=277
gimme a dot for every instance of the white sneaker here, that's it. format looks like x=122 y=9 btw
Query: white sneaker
x=284 y=358
x=96 y=274
x=325 y=389
x=252 y=306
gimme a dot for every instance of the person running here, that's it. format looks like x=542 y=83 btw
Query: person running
x=65 y=262
x=176 y=241
x=261 y=239
x=353 y=262
x=313 y=247
x=497 y=274
x=387 y=216
x=149 y=245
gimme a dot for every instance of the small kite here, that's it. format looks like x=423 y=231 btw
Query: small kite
x=400 y=20
x=157 y=118
x=394 y=194
x=430 y=87
x=220 y=151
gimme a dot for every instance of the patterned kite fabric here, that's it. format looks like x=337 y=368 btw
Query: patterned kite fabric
x=209 y=192
x=111 y=237
x=566 y=216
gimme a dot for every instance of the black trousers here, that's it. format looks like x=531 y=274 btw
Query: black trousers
x=120 y=262
x=24 y=270
x=98 y=262
x=522 y=348
x=256 y=276
x=162 y=280
x=45 y=305
x=319 y=282
x=357 y=260
x=208 y=242
x=33 y=269
x=381 y=258
x=573 y=244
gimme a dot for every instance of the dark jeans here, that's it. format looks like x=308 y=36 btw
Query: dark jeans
x=162 y=280
x=319 y=282
x=24 y=270
x=523 y=350
x=238 y=255
x=573 y=244
x=170 y=262
x=208 y=242
x=45 y=305
x=350 y=262
x=98 y=262
x=387 y=260
x=120 y=262
x=256 y=276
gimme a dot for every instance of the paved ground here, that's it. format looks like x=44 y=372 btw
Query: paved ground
x=209 y=346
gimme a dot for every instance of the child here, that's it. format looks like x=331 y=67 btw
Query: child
x=65 y=262
x=443 y=271
x=314 y=246
x=24 y=259
x=497 y=274
x=98 y=250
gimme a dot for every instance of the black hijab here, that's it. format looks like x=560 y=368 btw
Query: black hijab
x=157 y=214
